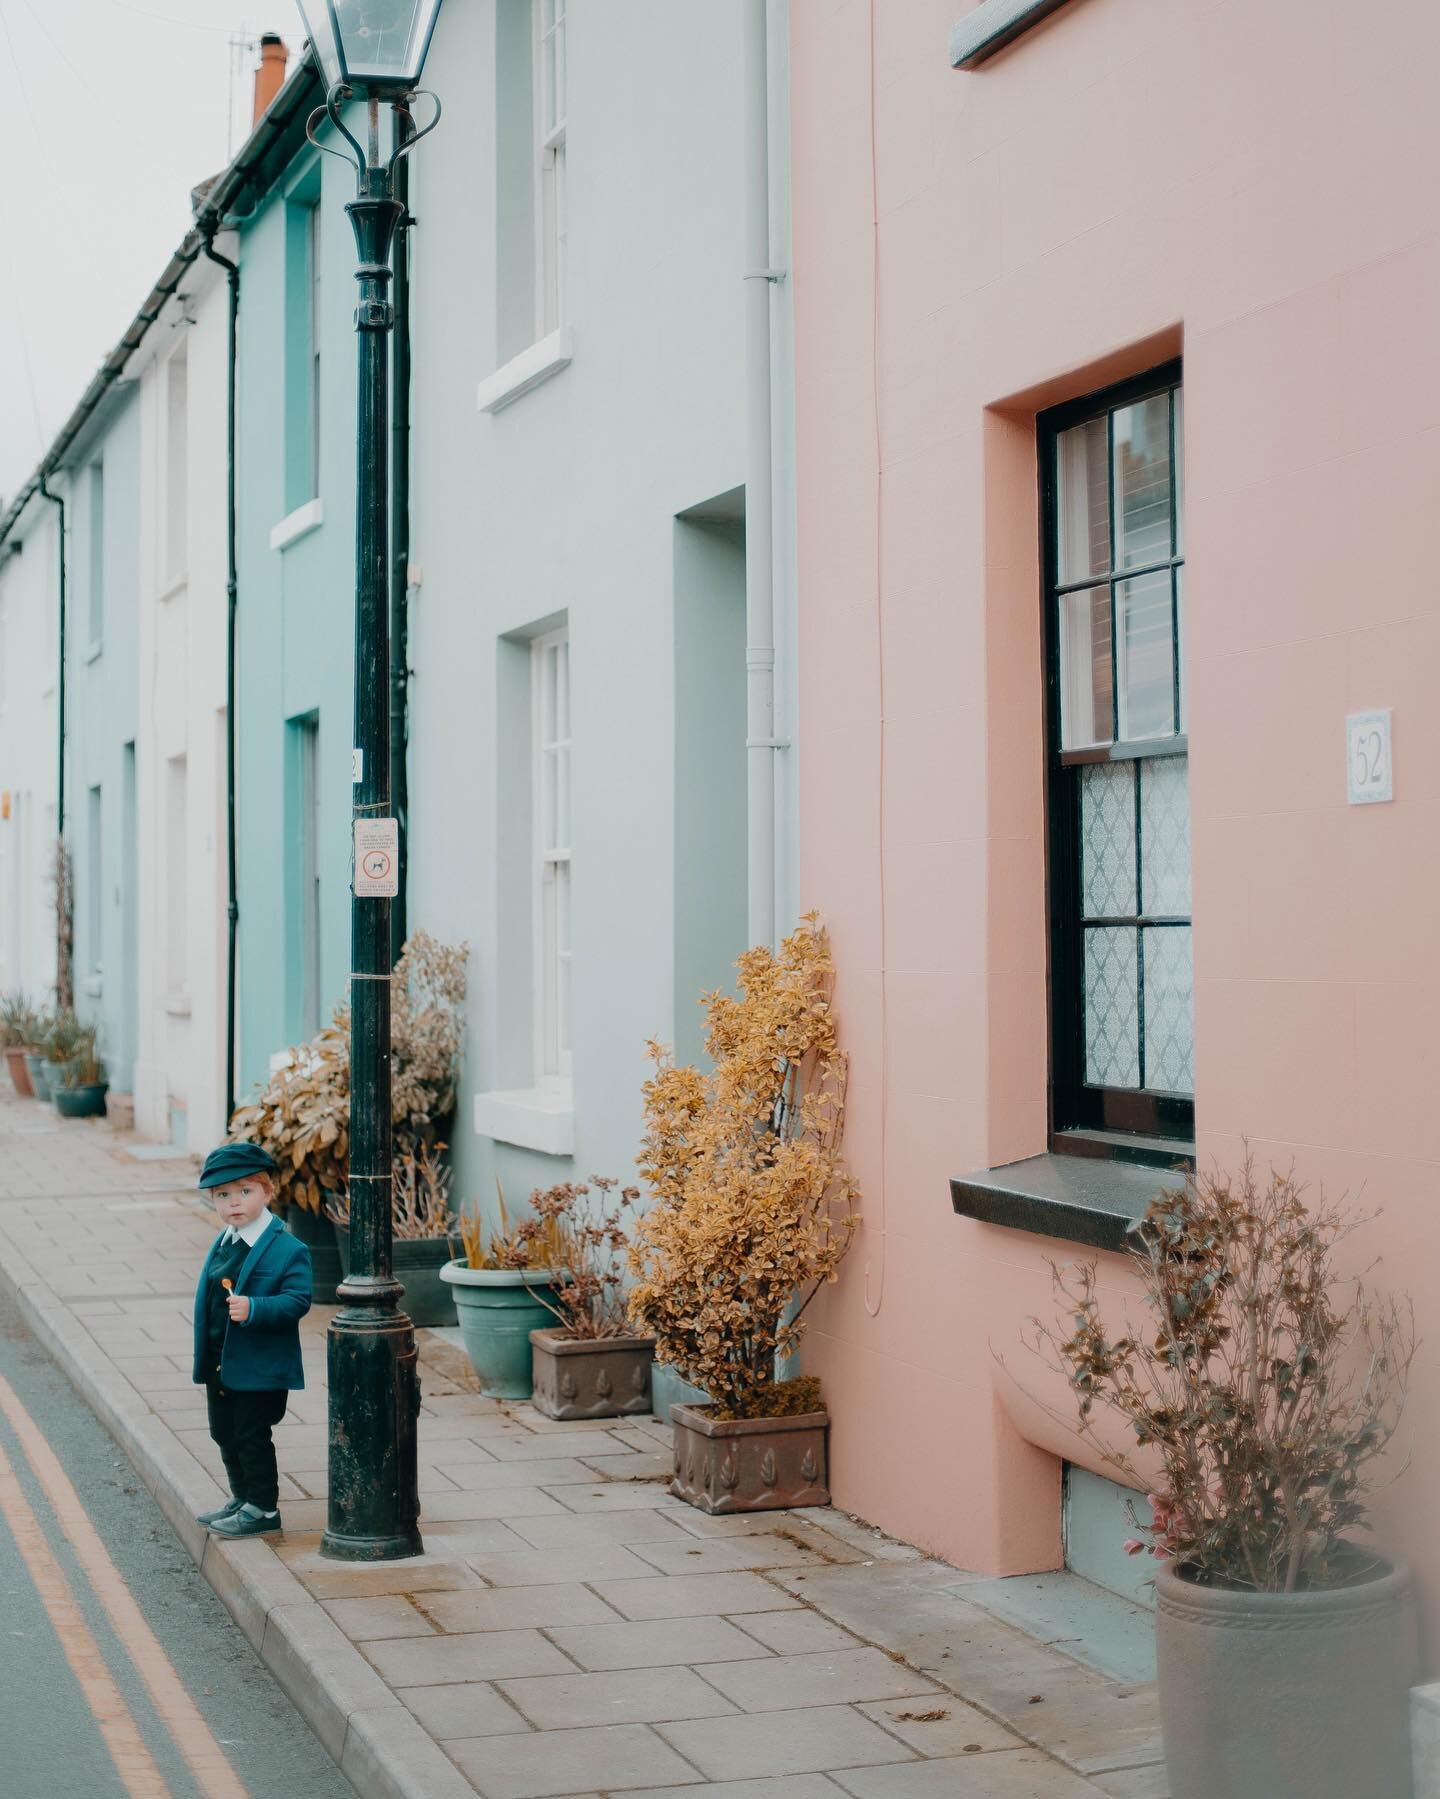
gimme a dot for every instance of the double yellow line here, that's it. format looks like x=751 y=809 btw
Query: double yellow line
x=133 y=1761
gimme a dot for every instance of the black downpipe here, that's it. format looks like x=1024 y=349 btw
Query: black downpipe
x=232 y=589
x=400 y=540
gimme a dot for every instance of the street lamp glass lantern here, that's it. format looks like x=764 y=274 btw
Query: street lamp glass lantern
x=374 y=47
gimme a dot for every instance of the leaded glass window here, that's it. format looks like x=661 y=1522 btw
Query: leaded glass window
x=1122 y=978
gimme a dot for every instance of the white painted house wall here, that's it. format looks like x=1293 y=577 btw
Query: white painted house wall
x=595 y=485
x=180 y=746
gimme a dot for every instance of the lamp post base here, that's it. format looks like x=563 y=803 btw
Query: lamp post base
x=374 y=1369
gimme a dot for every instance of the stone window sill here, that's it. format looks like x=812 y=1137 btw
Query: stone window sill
x=538 y=1118
x=92 y=986
x=177 y=1003
x=527 y=370
x=297 y=524
x=992 y=25
x=92 y=650
x=1082 y=1199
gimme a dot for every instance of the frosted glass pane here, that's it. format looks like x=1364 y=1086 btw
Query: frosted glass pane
x=1084 y=521
x=1107 y=840
x=1086 y=677
x=1112 y=1006
x=1145 y=654
x=1179 y=471
x=1165 y=836
x=1169 y=1010
x=1142 y=482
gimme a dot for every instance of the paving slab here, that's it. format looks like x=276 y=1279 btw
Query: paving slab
x=666 y=1643
x=694 y=1595
x=626 y=1696
x=548 y=1763
x=831 y=1677
x=1002 y=1774
x=518 y=1608
x=810 y=1741
x=432 y=1661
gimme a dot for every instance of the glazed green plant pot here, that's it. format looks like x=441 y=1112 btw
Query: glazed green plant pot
x=417 y=1262
x=39 y=1071
x=87 y=1101
x=497 y=1309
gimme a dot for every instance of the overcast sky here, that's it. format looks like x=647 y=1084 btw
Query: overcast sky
x=110 y=112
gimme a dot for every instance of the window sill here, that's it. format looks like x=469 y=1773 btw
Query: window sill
x=1078 y=1198
x=532 y=1118
x=177 y=1004
x=92 y=986
x=297 y=524
x=92 y=651
x=992 y=25
x=527 y=370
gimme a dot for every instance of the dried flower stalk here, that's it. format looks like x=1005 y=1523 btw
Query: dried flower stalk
x=590 y=1301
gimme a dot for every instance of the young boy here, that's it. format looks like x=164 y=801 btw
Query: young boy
x=254 y=1289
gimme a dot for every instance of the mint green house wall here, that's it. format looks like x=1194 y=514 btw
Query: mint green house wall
x=295 y=561
x=101 y=484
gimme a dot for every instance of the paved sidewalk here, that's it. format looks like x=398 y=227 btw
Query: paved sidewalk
x=571 y=1629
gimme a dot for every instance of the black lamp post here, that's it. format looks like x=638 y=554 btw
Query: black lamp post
x=373 y=50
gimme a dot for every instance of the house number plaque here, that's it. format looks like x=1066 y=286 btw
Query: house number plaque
x=1371 y=776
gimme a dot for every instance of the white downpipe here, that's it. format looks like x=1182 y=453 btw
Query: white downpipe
x=760 y=744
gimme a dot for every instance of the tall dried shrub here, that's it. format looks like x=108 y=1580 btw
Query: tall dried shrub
x=301 y=1113
x=1266 y=1381
x=753 y=1205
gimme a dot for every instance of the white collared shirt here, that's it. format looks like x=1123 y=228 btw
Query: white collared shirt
x=249 y=1234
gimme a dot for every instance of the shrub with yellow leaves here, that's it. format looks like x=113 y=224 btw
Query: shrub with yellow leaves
x=753 y=1205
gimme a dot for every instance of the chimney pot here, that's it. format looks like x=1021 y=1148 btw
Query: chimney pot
x=270 y=75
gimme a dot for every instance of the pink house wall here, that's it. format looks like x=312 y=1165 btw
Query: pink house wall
x=1254 y=187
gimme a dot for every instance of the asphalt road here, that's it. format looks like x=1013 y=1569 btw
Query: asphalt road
x=93 y=1704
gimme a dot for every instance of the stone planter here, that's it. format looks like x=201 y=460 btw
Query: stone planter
x=1289 y=1695
x=669 y=1388
x=749 y=1464
x=39 y=1071
x=19 y=1074
x=497 y=1310
x=417 y=1262
x=317 y=1233
x=590 y=1377
x=86 y=1101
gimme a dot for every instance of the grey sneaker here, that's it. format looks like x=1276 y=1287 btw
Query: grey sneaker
x=224 y=1511
x=247 y=1521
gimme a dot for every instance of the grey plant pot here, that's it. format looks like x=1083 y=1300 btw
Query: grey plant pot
x=39 y=1071
x=1287 y=1695
x=749 y=1464
x=590 y=1377
x=669 y=1388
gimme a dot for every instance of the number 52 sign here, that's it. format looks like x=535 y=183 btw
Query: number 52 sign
x=1370 y=772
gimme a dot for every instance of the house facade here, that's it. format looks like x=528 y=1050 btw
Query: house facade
x=1115 y=473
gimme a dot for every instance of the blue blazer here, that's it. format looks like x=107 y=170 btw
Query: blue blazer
x=263 y=1354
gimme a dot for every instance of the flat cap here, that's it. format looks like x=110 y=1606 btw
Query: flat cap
x=233 y=1161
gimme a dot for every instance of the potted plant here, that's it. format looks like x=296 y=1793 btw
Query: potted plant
x=301 y=1113
x=498 y=1284
x=1265 y=1384
x=18 y=1026
x=588 y=1364
x=82 y=1084
x=420 y=1225
x=753 y=1213
x=62 y=1041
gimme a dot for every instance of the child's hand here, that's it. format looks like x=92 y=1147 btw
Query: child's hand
x=239 y=1308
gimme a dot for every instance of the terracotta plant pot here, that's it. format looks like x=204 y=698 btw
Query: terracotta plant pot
x=19 y=1074
x=497 y=1310
x=87 y=1101
x=39 y=1071
x=417 y=1262
x=590 y=1377
x=749 y=1464
x=1290 y=1695
x=317 y=1233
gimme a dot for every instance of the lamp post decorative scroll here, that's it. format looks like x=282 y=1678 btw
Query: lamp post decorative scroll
x=372 y=50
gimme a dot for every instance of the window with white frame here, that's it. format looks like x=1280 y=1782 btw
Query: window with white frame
x=97 y=551
x=94 y=881
x=315 y=268
x=551 y=210
x=177 y=473
x=177 y=856
x=550 y=711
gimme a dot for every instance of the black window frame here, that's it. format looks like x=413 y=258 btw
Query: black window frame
x=1123 y=1123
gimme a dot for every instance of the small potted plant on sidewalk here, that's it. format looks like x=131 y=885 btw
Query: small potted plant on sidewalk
x=1266 y=1382
x=503 y=1286
x=17 y=1028
x=82 y=1085
x=420 y=1223
x=63 y=1042
x=753 y=1212
x=588 y=1364
x=37 y=1065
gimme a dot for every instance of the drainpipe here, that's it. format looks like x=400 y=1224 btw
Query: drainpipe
x=760 y=741
x=232 y=275
x=400 y=538
x=64 y=981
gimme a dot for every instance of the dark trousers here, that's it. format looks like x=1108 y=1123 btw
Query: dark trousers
x=241 y=1424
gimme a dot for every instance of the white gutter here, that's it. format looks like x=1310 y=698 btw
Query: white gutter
x=760 y=743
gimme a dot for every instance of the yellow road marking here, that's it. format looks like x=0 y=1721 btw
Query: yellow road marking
x=133 y=1761
x=181 y=1716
